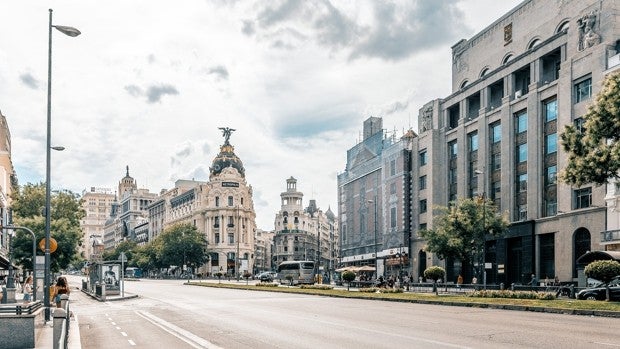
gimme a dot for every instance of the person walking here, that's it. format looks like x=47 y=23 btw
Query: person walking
x=27 y=289
x=62 y=287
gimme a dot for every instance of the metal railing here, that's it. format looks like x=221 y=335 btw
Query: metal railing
x=21 y=309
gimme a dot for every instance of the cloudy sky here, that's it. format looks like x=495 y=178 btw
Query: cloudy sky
x=149 y=82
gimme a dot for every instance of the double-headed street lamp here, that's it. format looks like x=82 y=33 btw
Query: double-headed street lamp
x=375 y=223
x=70 y=31
x=481 y=259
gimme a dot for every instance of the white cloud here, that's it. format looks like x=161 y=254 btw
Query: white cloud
x=295 y=78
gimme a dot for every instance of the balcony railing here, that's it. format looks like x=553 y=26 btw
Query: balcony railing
x=610 y=236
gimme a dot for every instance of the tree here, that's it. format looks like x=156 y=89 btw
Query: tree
x=181 y=244
x=594 y=149
x=604 y=271
x=434 y=273
x=28 y=209
x=459 y=230
x=348 y=276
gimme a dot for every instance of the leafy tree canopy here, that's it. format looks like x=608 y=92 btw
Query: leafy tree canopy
x=28 y=209
x=181 y=244
x=602 y=270
x=459 y=230
x=594 y=149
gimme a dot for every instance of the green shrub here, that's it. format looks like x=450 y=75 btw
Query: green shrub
x=511 y=294
x=603 y=270
x=434 y=273
x=267 y=284
x=381 y=290
x=317 y=287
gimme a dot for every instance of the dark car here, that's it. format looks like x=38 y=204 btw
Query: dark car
x=599 y=292
x=266 y=276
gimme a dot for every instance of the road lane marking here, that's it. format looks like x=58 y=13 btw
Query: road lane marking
x=131 y=342
x=186 y=336
x=609 y=344
x=113 y=323
x=124 y=334
x=118 y=327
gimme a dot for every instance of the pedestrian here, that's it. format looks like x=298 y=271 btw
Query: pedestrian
x=534 y=281
x=459 y=281
x=474 y=280
x=27 y=289
x=62 y=287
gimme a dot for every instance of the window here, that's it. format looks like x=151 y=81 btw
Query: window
x=423 y=226
x=393 y=168
x=230 y=201
x=231 y=238
x=522 y=182
x=473 y=141
x=217 y=201
x=216 y=222
x=452 y=149
x=393 y=217
x=231 y=222
x=521 y=122
x=547 y=255
x=582 y=198
x=551 y=175
x=393 y=188
x=423 y=206
x=580 y=125
x=422 y=182
x=551 y=145
x=522 y=212
x=496 y=161
x=582 y=90
x=522 y=153
x=496 y=132
x=551 y=110
x=423 y=157
x=217 y=238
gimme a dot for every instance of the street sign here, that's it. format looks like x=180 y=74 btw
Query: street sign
x=53 y=245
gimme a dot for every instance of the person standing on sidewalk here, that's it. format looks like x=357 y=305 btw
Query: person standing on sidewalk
x=62 y=287
x=27 y=289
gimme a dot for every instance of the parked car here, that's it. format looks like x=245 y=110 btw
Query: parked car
x=598 y=292
x=266 y=276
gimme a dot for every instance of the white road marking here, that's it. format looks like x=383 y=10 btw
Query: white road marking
x=609 y=344
x=124 y=334
x=118 y=327
x=131 y=342
x=186 y=336
x=113 y=323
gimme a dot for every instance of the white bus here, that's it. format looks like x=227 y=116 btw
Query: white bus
x=296 y=272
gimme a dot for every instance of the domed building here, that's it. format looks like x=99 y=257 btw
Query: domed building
x=222 y=209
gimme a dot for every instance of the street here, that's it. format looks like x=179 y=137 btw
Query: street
x=169 y=314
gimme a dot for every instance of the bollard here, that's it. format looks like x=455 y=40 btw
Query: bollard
x=512 y=286
x=501 y=286
x=60 y=316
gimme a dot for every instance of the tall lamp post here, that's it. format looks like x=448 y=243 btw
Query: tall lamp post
x=375 y=223
x=481 y=260
x=237 y=261
x=70 y=31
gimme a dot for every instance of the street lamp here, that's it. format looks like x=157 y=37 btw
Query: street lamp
x=375 y=223
x=70 y=31
x=34 y=257
x=237 y=266
x=481 y=260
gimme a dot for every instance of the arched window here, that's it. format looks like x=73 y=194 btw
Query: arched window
x=534 y=42
x=484 y=71
x=507 y=58
x=581 y=245
x=563 y=26
x=463 y=84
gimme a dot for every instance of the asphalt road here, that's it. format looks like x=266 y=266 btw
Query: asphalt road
x=170 y=315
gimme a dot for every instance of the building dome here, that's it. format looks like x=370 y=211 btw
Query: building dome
x=226 y=158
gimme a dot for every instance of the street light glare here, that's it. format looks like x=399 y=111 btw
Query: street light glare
x=70 y=31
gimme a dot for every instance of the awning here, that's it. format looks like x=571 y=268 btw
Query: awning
x=4 y=262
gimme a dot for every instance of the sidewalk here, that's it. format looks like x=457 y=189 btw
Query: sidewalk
x=45 y=337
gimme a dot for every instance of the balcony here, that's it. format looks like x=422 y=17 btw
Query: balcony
x=610 y=237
